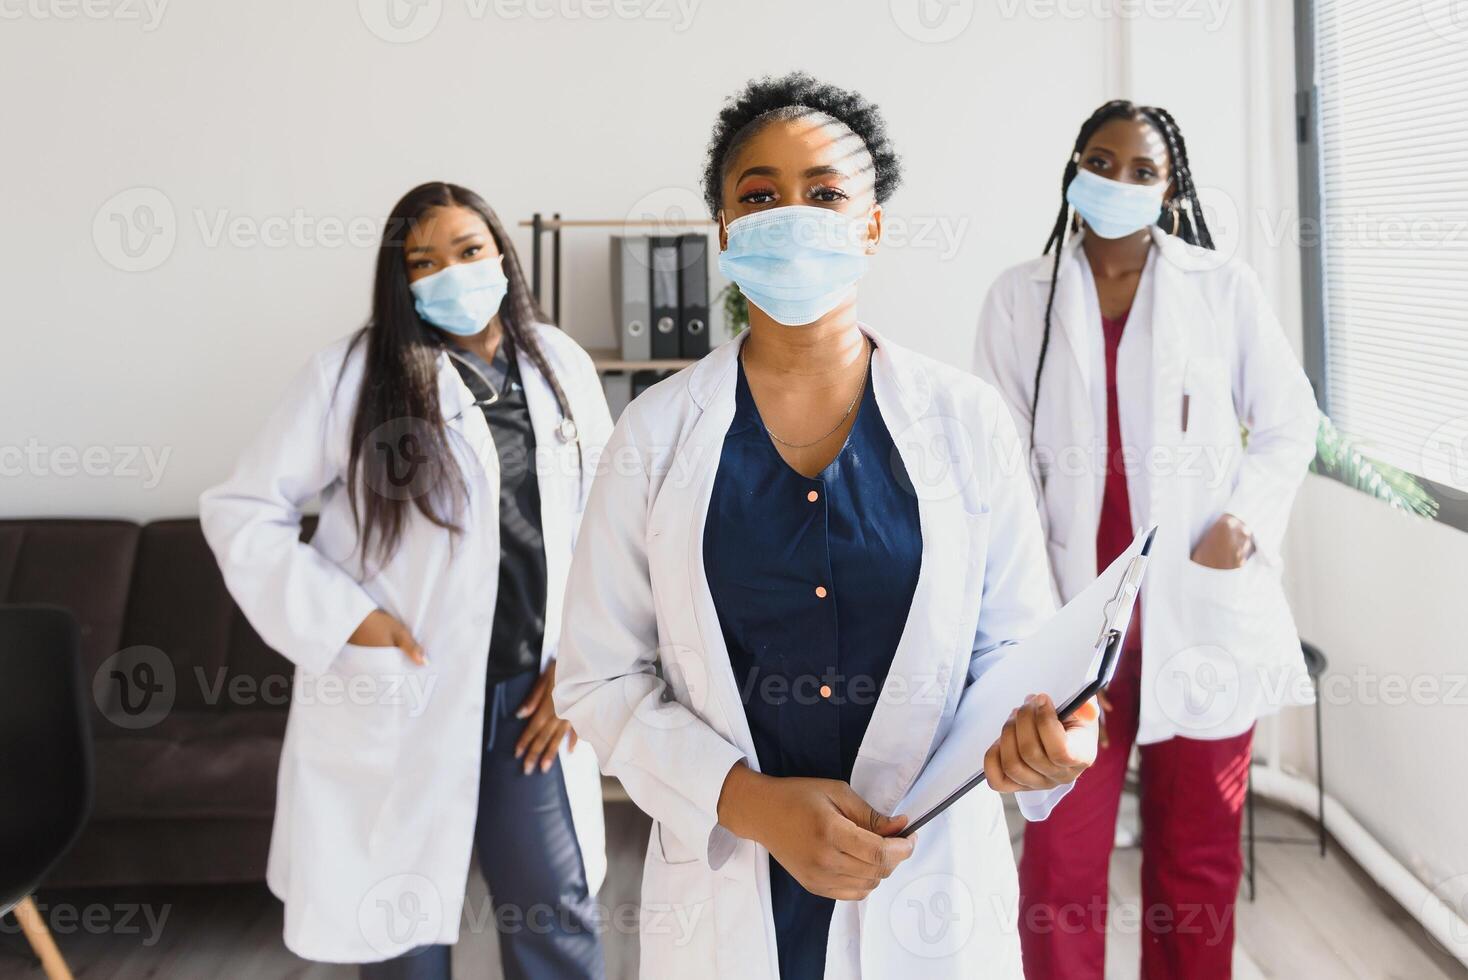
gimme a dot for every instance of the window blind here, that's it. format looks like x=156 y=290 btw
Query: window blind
x=1391 y=79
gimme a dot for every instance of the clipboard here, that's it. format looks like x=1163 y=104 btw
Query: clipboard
x=1106 y=653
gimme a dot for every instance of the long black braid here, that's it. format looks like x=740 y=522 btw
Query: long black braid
x=1183 y=217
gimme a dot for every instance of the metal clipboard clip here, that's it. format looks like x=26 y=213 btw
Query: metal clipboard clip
x=1126 y=591
x=1108 y=641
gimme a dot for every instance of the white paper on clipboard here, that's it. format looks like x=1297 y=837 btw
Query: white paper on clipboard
x=1060 y=659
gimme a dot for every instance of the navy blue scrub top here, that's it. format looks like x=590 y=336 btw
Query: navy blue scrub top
x=812 y=579
x=518 y=631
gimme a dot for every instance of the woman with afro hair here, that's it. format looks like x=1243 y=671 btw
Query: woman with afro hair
x=785 y=581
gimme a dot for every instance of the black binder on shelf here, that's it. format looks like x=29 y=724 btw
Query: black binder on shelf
x=665 y=277
x=617 y=385
x=631 y=295
x=693 y=296
x=643 y=380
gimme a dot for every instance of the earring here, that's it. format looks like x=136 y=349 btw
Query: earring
x=1176 y=217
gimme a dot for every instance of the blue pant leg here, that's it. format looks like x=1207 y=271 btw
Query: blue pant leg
x=422 y=963
x=548 y=922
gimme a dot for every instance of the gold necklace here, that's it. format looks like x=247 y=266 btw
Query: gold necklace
x=839 y=423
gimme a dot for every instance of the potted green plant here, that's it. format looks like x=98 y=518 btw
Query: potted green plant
x=1338 y=456
x=736 y=309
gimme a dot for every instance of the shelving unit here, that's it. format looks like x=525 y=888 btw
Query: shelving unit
x=607 y=360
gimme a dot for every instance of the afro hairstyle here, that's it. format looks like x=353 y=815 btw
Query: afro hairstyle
x=766 y=99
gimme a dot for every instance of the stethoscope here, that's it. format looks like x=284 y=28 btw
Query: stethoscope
x=565 y=429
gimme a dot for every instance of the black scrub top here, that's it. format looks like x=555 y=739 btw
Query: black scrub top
x=812 y=579
x=518 y=632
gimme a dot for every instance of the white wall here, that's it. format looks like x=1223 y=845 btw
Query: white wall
x=267 y=112
x=270 y=112
x=1383 y=594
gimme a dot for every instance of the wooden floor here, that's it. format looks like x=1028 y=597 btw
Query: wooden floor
x=1312 y=918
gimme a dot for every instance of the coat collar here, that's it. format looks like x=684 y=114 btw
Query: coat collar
x=454 y=397
x=1182 y=256
x=910 y=379
x=1167 y=262
x=1072 y=275
x=1040 y=269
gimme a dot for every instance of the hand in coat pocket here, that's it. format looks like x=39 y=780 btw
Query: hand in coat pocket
x=382 y=629
x=1226 y=545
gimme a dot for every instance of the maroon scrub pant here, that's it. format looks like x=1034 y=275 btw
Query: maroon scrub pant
x=1192 y=798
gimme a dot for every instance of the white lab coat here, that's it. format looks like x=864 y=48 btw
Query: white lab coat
x=379 y=774
x=1220 y=647
x=645 y=677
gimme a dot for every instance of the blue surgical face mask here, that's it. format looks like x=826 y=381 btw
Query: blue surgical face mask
x=796 y=263
x=1112 y=209
x=462 y=298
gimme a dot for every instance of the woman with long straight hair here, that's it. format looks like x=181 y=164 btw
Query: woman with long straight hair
x=450 y=443
x=1152 y=384
x=785 y=584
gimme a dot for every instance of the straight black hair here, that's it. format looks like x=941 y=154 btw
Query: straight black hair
x=400 y=380
x=1189 y=224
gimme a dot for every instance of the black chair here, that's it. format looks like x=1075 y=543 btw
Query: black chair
x=1315 y=664
x=45 y=760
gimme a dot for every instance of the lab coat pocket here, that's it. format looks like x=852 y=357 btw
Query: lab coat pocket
x=679 y=935
x=1226 y=612
x=351 y=716
x=670 y=850
x=1207 y=410
x=1235 y=589
x=1207 y=678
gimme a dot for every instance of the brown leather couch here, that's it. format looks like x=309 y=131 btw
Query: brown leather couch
x=188 y=703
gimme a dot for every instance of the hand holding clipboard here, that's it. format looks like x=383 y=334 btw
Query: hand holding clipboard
x=1066 y=659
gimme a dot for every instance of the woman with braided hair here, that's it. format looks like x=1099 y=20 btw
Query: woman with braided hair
x=1151 y=383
